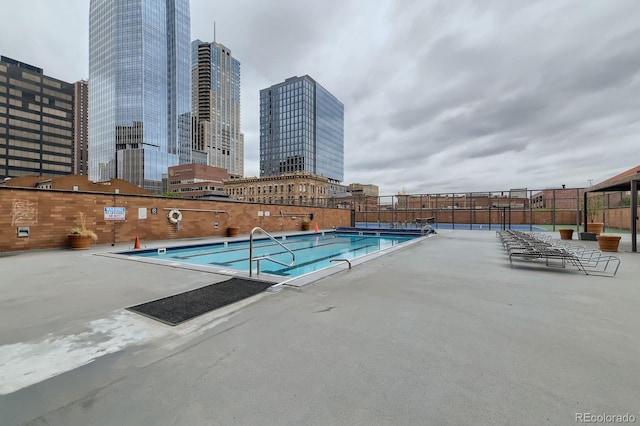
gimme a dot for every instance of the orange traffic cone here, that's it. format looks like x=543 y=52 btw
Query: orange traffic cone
x=317 y=230
x=137 y=243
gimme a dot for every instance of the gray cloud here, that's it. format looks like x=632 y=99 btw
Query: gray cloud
x=439 y=95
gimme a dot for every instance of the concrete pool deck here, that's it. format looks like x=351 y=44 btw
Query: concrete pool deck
x=441 y=332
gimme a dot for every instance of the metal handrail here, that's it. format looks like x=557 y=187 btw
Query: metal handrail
x=258 y=259
x=425 y=229
x=341 y=260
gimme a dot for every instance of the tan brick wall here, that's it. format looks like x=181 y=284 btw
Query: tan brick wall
x=619 y=218
x=50 y=215
x=82 y=182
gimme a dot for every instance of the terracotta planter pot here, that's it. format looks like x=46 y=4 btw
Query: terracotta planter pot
x=233 y=231
x=595 y=227
x=608 y=242
x=79 y=242
x=306 y=226
x=566 y=234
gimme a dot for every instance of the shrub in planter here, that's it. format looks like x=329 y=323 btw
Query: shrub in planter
x=80 y=238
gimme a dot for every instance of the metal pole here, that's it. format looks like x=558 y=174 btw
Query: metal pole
x=250 y=253
x=472 y=214
x=530 y=211
x=490 y=205
x=605 y=201
x=435 y=213
x=553 y=210
x=584 y=210
x=634 y=215
x=577 y=209
x=467 y=211
x=406 y=211
x=393 y=210
x=453 y=211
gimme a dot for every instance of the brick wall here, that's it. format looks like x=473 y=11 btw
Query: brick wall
x=619 y=218
x=462 y=216
x=50 y=215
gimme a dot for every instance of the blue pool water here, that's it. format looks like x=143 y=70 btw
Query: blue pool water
x=313 y=252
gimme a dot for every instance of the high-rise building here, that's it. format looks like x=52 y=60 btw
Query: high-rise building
x=36 y=122
x=140 y=97
x=301 y=129
x=81 y=127
x=216 y=107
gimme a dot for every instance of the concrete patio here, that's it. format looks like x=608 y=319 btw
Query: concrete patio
x=441 y=332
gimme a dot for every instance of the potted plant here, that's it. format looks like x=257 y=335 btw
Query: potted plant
x=306 y=224
x=80 y=237
x=566 y=234
x=595 y=207
x=608 y=242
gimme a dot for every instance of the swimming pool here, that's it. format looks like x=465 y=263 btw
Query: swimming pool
x=313 y=252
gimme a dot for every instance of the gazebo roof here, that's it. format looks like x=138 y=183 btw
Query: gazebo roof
x=625 y=181
x=621 y=182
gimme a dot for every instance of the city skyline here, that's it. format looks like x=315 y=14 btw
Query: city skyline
x=455 y=96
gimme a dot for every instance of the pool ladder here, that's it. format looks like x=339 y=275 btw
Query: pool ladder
x=426 y=229
x=258 y=259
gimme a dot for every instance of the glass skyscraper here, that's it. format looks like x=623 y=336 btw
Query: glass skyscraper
x=140 y=89
x=217 y=139
x=301 y=129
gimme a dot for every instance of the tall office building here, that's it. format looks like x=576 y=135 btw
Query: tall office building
x=36 y=122
x=81 y=127
x=140 y=97
x=216 y=107
x=301 y=129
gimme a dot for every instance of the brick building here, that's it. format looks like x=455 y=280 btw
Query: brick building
x=560 y=198
x=197 y=181
x=299 y=188
x=368 y=190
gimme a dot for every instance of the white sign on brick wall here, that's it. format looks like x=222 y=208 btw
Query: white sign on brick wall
x=114 y=213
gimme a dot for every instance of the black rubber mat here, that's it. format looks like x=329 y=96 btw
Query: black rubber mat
x=182 y=307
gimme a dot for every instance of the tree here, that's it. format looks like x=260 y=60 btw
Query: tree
x=595 y=206
x=626 y=201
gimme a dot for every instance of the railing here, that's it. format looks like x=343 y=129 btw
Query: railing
x=341 y=260
x=258 y=259
x=426 y=229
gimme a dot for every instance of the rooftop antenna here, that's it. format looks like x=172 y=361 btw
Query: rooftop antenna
x=214 y=31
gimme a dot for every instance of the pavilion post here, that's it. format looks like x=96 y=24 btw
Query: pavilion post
x=634 y=214
x=584 y=210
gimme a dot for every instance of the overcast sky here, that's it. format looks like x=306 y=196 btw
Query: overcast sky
x=439 y=95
